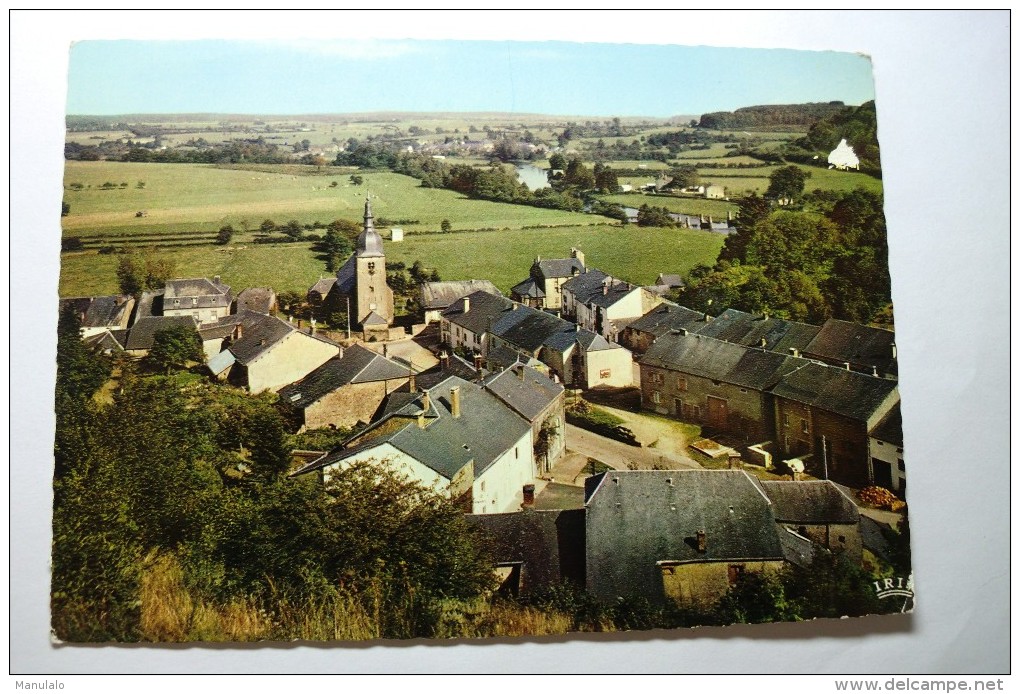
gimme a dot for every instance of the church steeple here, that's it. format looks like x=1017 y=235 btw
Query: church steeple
x=369 y=241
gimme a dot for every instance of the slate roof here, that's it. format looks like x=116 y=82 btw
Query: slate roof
x=113 y=340
x=640 y=517
x=144 y=330
x=836 y=390
x=669 y=280
x=810 y=503
x=323 y=286
x=482 y=433
x=101 y=311
x=205 y=293
x=548 y=544
x=558 y=267
x=527 y=328
x=863 y=346
x=749 y=330
x=524 y=390
x=586 y=284
x=345 y=277
x=890 y=429
x=258 y=299
x=666 y=317
x=455 y=366
x=358 y=365
x=259 y=334
x=440 y=295
x=797 y=550
x=702 y=356
x=528 y=288
x=149 y=304
x=482 y=307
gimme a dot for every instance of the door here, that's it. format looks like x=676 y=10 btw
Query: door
x=717 y=413
x=883 y=473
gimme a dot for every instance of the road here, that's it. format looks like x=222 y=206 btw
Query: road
x=616 y=454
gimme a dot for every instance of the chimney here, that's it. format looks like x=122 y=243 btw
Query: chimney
x=467 y=304
x=529 y=496
x=702 y=542
x=874 y=371
x=216 y=279
x=455 y=402
x=520 y=373
x=312 y=332
x=444 y=360
x=708 y=318
x=238 y=331
x=478 y=362
x=426 y=403
x=410 y=380
x=794 y=352
x=764 y=343
x=421 y=419
x=734 y=461
x=893 y=350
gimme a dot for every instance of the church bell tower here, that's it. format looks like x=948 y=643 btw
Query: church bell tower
x=373 y=307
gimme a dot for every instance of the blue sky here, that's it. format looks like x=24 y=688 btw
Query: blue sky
x=347 y=76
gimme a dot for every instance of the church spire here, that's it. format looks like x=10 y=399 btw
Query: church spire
x=369 y=242
x=369 y=225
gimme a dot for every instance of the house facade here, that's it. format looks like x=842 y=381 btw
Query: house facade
x=204 y=300
x=542 y=287
x=886 y=449
x=540 y=401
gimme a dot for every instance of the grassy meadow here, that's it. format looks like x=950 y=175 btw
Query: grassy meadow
x=504 y=257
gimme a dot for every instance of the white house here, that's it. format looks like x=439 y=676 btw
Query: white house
x=457 y=438
x=844 y=157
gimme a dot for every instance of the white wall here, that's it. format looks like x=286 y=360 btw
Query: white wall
x=500 y=488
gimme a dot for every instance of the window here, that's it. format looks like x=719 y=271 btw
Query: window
x=842 y=538
x=656 y=398
x=734 y=572
x=803 y=426
x=517 y=453
x=786 y=419
x=681 y=384
x=743 y=390
x=481 y=486
x=899 y=465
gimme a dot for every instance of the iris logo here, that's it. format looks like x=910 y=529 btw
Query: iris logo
x=897 y=587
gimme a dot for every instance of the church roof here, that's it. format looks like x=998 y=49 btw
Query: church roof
x=369 y=242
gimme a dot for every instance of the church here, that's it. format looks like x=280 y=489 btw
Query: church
x=361 y=285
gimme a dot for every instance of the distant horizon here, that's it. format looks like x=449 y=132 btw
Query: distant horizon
x=583 y=80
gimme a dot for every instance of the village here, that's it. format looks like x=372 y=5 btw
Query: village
x=594 y=430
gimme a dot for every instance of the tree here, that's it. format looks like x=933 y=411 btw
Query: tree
x=267 y=226
x=606 y=181
x=557 y=161
x=175 y=347
x=158 y=271
x=445 y=225
x=756 y=598
x=786 y=183
x=654 y=217
x=293 y=229
x=356 y=180
x=65 y=208
x=225 y=234
x=318 y=161
x=129 y=276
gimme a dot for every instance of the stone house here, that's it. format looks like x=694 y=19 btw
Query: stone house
x=258 y=299
x=604 y=305
x=265 y=353
x=540 y=401
x=855 y=346
x=722 y=386
x=886 y=451
x=680 y=535
x=436 y=297
x=761 y=331
x=542 y=287
x=100 y=314
x=665 y=318
x=142 y=334
x=456 y=438
x=829 y=414
x=819 y=511
x=345 y=391
x=206 y=301
x=466 y=324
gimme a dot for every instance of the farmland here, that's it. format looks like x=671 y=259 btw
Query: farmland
x=504 y=257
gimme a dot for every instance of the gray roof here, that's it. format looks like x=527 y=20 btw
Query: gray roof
x=198 y=291
x=144 y=330
x=549 y=545
x=101 y=311
x=528 y=328
x=369 y=243
x=258 y=299
x=528 y=288
x=847 y=393
x=346 y=277
x=863 y=346
x=749 y=330
x=357 y=365
x=797 y=550
x=702 y=356
x=113 y=340
x=221 y=362
x=637 y=518
x=483 y=310
x=890 y=429
x=484 y=431
x=669 y=280
x=810 y=502
x=526 y=391
x=259 y=334
x=666 y=317
x=440 y=295
x=557 y=267
x=586 y=284
x=323 y=286
x=149 y=304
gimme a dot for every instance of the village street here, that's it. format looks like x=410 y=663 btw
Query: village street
x=614 y=454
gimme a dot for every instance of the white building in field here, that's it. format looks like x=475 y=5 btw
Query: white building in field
x=457 y=438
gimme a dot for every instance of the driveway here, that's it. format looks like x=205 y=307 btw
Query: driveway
x=620 y=456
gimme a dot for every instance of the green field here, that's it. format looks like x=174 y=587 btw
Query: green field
x=632 y=253
x=179 y=197
x=716 y=208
